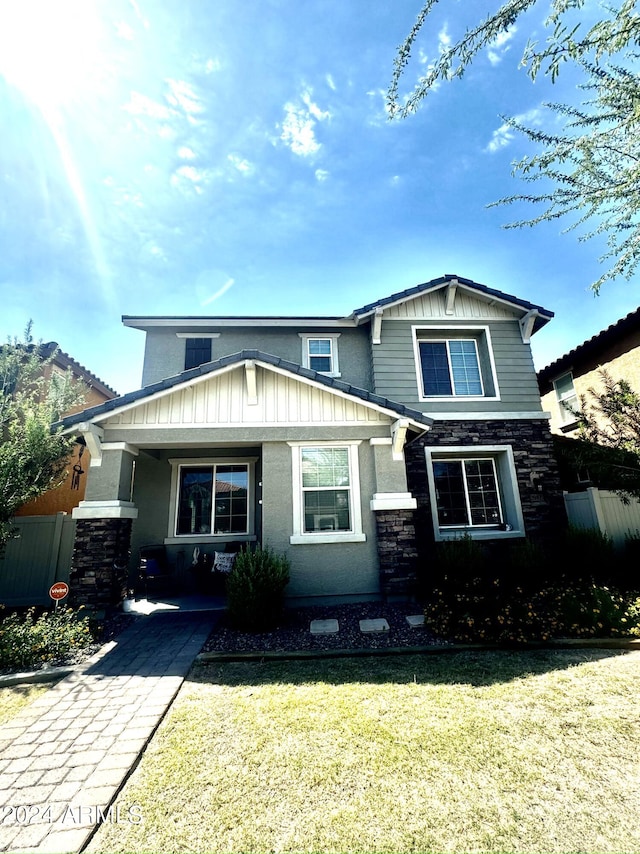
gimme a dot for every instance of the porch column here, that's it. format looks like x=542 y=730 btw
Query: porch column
x=100 y=562
x=393 y=506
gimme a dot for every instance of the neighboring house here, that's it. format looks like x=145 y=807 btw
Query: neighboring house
x=353 y=444
x=565 y=381
x=69 y=495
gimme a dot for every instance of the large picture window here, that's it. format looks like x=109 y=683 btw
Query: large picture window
x=213 y=499
x=450 y=368
x=474 y=491
x=467 y=493
x=326 y=493
x=455 y=362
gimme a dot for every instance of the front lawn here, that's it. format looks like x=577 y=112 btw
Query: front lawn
x=487 y=751
x=16 y=697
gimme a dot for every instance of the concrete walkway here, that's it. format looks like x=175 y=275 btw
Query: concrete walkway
x=66 y=755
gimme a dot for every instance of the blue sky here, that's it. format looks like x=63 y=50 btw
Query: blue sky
x=221 y=157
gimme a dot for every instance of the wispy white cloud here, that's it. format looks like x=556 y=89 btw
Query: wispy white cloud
x=299 y=123
x=330 y=82
x=182 y=96
x=212 y=65
x=190 y=178
x=444 y=39
x=241 y=164
x=141 y=105
x=186 y=153
x=504 y=135
x=498 y=48
x=321 y=175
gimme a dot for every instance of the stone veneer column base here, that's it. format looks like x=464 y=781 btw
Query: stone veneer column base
x=397 y=553
x=100 y=562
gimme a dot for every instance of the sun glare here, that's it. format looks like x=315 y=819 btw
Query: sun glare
x=49 y=49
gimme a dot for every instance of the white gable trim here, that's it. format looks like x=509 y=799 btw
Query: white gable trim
x=248 y=366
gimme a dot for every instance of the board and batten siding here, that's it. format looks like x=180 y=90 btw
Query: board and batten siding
x=222 y=401
x=395 y=371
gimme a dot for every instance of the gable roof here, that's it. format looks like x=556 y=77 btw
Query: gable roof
x=544 y=315
x=65 y=361
x=592 y=346
x=420 y=420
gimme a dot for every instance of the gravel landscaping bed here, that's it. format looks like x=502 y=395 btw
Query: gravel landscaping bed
x=293 y=632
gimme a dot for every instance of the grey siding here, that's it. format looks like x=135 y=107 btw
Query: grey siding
x=164 y=351
x=395 y=376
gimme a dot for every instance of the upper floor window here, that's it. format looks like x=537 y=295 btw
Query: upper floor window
x=320 y=353
x=567 y=398
x=197 y=352
x=450 y=368
x=455 y=363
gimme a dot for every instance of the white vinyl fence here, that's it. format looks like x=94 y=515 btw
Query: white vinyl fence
x=35 y=558
x=604 y=511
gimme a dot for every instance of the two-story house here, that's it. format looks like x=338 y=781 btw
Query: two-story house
x=351 y=443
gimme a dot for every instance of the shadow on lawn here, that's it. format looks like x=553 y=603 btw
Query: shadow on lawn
x=475 y=668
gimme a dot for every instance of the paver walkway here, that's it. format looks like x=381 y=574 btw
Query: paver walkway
x=66 y=755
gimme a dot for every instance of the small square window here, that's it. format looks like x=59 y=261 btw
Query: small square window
x=320 y=353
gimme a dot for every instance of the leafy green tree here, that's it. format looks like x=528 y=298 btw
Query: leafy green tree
x=609 y=442
x=593 y=164
x=33 y=457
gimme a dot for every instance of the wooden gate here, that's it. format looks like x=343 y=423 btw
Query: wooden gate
x=39 y=554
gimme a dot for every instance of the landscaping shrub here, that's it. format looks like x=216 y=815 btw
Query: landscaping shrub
x=31 y=640
x=255 y=589
x=588 y=554
x=483 y=609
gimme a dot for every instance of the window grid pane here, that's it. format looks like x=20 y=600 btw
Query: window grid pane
x=326 y=489
x=199 y=513
x=320 y=355
x=467 y=493
x=464 y=368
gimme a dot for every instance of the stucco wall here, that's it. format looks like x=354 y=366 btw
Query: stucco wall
x=622 y=361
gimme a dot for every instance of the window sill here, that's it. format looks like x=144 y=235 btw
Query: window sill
x=442 y=536
x=313 y=539
x=198 y=539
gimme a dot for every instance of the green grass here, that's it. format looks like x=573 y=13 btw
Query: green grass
x=489 y=751
x=16 y=697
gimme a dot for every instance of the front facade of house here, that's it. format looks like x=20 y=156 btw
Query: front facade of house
x=353 y=444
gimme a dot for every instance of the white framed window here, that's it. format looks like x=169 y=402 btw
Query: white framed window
x=320 y=353
x=212 y=498
x=567 y=398
x=474 y=491
x=326 y=493
x=455 y=362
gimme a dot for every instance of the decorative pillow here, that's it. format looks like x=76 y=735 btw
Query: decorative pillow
x=223 y=561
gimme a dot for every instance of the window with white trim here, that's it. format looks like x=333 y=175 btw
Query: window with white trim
x=212 y=498
x=320 y=353
x=455 y=363
x=567 y=398
x=474 y=491
x=326 y=493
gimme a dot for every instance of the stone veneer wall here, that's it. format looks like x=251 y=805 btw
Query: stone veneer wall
x=397 y=553
x=536 y=469
x=99 y=566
